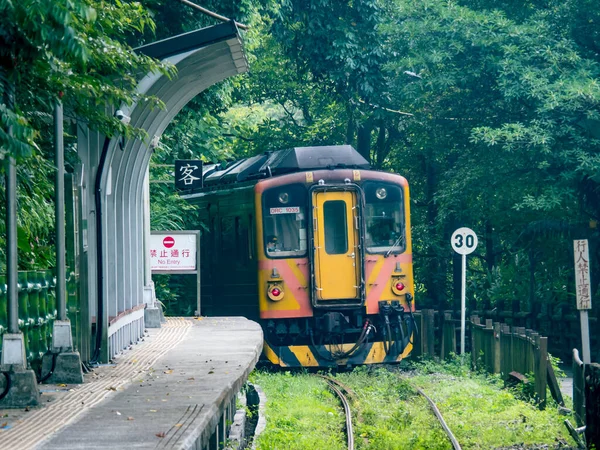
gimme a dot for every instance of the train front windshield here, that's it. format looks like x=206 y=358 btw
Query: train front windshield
x=384 y=218
x=284 y=213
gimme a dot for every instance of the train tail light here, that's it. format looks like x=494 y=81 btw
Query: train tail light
x=275 y=292
x=398 y=287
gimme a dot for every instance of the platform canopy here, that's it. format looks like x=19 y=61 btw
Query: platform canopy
x=114 y=223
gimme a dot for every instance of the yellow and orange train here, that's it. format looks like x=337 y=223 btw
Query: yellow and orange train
x=315 y=246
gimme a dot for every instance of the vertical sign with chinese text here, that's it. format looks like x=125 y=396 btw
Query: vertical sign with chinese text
x=582 y=274
x=188 y=174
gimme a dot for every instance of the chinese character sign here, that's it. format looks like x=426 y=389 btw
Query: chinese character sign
x=176 y=252
x=188 y=174
x=582 y=274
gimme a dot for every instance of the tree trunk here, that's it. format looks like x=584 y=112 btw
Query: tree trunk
x=350 y=128
x=489 y=245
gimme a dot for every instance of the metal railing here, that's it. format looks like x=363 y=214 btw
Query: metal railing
x=37 y=309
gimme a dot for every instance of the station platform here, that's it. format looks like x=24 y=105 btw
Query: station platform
x=177 y=389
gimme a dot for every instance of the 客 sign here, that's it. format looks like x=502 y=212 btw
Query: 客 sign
x=582 y=274
x=173 y=252
x=188 y=174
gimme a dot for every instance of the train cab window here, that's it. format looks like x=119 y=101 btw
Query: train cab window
x=284 y=221
x=384 y=218
x=336 y=228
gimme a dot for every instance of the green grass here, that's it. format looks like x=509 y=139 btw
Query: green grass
x=389 y=414
x=301 y=413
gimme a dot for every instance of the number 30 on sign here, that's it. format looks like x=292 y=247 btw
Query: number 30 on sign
x=464 y=241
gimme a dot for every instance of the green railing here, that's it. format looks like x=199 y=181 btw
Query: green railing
x=37 y=310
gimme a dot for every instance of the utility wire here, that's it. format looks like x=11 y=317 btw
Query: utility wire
x=212 y=14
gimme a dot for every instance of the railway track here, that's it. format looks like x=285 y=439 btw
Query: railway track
x=441 y=420
x=339 y=388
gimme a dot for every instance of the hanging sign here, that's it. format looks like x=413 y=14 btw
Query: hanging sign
x=188 y=174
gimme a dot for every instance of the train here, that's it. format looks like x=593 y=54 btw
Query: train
x=315 y=246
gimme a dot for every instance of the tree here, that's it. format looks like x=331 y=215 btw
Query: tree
x=71 y=51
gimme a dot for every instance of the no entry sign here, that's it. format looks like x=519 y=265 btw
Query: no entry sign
x=173 y=252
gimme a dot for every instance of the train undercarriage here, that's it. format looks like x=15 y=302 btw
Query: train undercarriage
x=341 y=338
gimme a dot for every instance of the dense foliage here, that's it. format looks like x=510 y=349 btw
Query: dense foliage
x=490 y=109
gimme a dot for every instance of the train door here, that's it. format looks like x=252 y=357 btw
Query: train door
x=336 y=261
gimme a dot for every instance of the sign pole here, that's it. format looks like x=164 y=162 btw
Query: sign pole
x=463 y=304
x=198 y=279
x=464 y=242
x=585 y=336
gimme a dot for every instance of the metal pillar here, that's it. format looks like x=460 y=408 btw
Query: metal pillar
x=59 y=212
x=64 y=364
x=22 y=386
x=11 y=224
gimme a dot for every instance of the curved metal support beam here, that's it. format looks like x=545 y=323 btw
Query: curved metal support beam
x=203 y=58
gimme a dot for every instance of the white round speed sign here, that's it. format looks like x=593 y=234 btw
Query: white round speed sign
x=464 y=241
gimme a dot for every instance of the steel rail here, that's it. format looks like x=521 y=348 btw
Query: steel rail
x=437 y=413
x=336 y=387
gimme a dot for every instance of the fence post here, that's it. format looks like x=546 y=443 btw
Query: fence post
x=488 y=344
x=429 y=333
x=541 y=368
x=474 y=340
x=507 y=351
x=418 y=336
x=448 y=336
x=578 y=389
x=592 y=406
x=497 y=345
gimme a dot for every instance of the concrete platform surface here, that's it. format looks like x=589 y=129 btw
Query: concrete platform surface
x=168 y=392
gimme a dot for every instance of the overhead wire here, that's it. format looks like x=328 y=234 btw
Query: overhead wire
x=212 y=14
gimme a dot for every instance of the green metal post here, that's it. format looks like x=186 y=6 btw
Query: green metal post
x=25 y=321
x=3 y=312
x=43 y=309
x=33 y=290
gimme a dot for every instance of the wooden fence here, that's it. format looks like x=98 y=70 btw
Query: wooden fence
x=513 y=352
x=559 y=322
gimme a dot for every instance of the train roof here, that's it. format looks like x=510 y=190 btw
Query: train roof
x=280 y=162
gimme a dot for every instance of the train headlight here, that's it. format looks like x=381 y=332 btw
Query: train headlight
x=381 y=193
x=275 y=292
x=284 y=197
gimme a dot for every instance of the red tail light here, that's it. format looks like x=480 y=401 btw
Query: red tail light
x=399 y=286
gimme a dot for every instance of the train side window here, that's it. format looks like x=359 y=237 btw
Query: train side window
x=336 y=228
